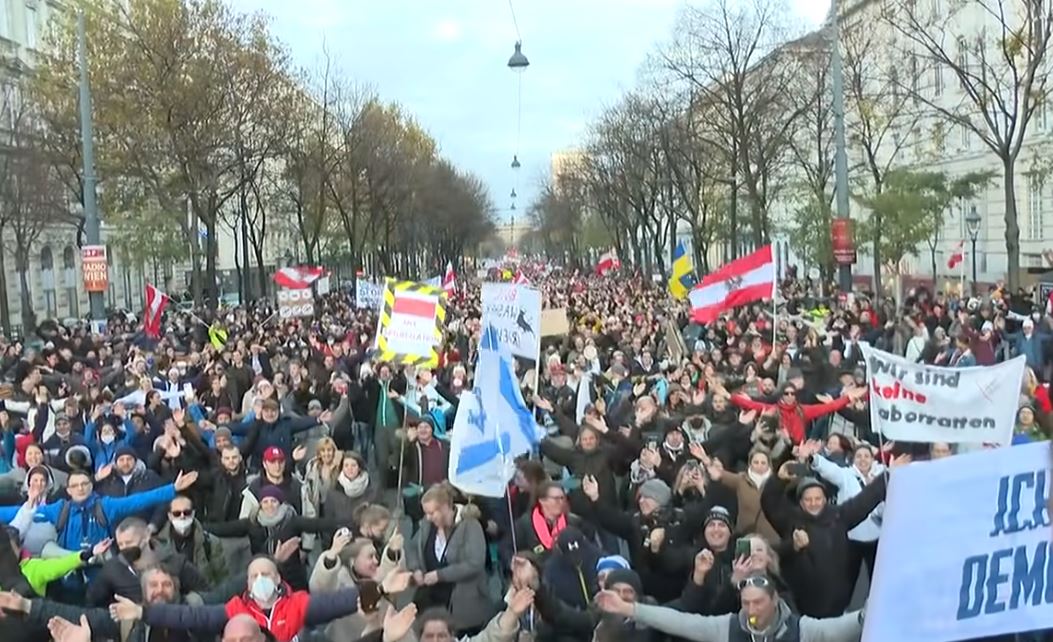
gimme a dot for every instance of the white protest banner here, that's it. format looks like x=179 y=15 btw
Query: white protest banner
x=921 y=403
x=368 y=295
x=295 y=303
x=515 y=312
x=965 y=549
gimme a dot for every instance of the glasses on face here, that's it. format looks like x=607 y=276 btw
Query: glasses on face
x=182 y=513
x=789 y=393
x=756 y=581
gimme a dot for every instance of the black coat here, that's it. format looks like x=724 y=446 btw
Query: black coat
x=102 y=625
x=117 y=578
x=223 y=502
x=819 y=575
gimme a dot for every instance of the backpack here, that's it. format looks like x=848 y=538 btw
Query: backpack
x=63 y=517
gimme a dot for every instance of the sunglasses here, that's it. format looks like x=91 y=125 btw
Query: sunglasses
x=181 y=513
x=789 y=393
x=756 y=581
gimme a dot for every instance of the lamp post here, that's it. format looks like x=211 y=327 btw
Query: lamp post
x=91 y=208
x=972 y=224
x=844 y=272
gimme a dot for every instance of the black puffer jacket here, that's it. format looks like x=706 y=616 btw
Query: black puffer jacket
x=819 y=575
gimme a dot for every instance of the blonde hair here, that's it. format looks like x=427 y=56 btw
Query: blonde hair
x=773 y=556
x=439 y=493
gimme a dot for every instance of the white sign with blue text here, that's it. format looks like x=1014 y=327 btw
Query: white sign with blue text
x=965 y=549
x=515 y=312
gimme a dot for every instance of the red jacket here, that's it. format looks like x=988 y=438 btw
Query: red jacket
x=287 y=618
x=794 y=419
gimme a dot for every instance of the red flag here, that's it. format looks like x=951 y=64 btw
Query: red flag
x=957 y=256
x=297 y=278
x=449 y=280
x=608 y=261
x=520 y=278
x=156 y=301
x=742 y=281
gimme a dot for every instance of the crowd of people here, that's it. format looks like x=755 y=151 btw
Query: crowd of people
x=711 y=483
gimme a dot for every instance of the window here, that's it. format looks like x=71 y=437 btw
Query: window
x=963 y=60
x=1041 y=114
x=47 y=280
x=31 y=26
x=1034 y=207
x=69 y=280
x=966 y=136
x=937 y=79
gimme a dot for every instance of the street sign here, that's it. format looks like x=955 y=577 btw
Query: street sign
x=95 y=268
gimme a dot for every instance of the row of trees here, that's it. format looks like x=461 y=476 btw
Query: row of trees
x=202 y=123
x=730 y=132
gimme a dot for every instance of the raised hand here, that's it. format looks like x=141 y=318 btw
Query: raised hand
x=99 y=549
x=103 y=472
x=699 y=453
x=397 y=624
x=286 y=549
x=704 y=562
x=611 y=602
x=746 y=417
x=299 y=453
x=590 y=487
x=396 y=582
x=800 y=540
x=342 y=538
x=902 y=460
x=125 y=610
x=521 y=600
x=62 y=630
x=185 y=480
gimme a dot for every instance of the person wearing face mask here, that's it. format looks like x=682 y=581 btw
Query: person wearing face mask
x=136 y=552
x=184 y=534
x=274 y=522
x=270 y=601
x=103 y=439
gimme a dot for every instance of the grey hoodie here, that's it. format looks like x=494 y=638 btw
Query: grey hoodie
x=717 y=628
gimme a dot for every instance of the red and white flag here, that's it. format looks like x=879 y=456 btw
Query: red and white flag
x=744 y=280
x=608 y=261
x=520 y=278
x=156 y=301
x=957 y=256
x=449 y=280
x=297 y=278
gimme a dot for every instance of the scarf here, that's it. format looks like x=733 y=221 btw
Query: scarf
x=545 y=535
x=354 y=487
x=758 y=480
x=284 y=511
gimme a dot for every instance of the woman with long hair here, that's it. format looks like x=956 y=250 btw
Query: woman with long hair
x=748 y=486
x=352 y=486
x=321 y=472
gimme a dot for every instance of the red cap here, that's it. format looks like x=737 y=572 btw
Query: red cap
x=273 y=454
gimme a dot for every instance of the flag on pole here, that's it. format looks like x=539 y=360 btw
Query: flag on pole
x=520 y=278
x=744 y=280
x=493 y=426
x=449 y=280
x=297 y=278
x=608 y=261
x=958 y=256
x=156 y=301
x=683 y=277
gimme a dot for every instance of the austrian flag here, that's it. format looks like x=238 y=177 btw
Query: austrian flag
x=297 y=278
x=744 y=280
x=156 y=301
x=957 y=256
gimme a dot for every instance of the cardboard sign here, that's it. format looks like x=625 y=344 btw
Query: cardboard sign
x=554 y=322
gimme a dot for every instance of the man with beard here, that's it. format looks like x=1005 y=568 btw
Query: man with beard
x=123 y=574
x=157 y=587
x=228 y=480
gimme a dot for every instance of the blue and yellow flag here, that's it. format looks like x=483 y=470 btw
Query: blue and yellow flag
x=683 y=277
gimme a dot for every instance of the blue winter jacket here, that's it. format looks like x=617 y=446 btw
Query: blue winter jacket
x=81 y=527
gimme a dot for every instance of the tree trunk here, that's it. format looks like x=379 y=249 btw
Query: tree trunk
x=261 y=271
x=932 y=254
x=210 y=264
x=29 y=318
x=877 y=254
x=5 y=305
x=195 y=259
x=1012 y=227
x=245 y=283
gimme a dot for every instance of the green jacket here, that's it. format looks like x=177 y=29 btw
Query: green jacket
x=41 y=572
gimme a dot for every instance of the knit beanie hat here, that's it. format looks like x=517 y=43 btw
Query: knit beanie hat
x=625 y=576
x=719 y=514
x=273 y=492
x=611 y=563
x=657 y=490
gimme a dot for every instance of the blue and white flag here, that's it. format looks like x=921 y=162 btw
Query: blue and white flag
x=493 y=425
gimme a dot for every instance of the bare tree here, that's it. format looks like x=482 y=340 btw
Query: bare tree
x=996 y=51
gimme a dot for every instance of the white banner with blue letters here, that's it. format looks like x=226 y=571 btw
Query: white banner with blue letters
x=965 y=549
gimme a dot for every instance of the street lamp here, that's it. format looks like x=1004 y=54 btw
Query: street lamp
x=972 y=224
x=518 y=62
x=515 y=162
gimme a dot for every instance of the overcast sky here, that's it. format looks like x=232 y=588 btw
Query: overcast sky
x=445 y=60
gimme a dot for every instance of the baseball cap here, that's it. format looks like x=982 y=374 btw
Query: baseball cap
x=273 y=453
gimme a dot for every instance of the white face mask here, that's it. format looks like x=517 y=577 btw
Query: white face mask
x=263 y=588
x=182 y=524
x=107 y=439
